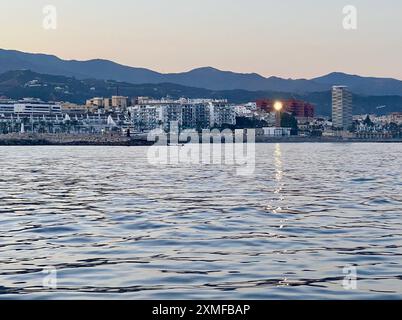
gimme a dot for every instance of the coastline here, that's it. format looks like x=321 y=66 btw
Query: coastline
x=119 y=140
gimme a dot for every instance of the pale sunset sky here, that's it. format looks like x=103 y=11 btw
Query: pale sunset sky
x=286 y=38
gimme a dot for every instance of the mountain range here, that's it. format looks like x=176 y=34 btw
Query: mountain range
x=25 y=83
x=206 y=77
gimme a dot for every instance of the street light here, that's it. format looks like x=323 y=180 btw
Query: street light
x=278 y=106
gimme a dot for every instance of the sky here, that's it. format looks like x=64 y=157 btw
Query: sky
x=286 y=38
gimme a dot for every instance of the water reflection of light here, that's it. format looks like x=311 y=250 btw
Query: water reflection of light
x=279 y=183
x=276 y=201
x=278 y=168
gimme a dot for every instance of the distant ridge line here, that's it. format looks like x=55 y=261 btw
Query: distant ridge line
x=204 y=77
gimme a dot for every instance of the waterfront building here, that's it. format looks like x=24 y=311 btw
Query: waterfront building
x=302 y=110
x=245 y=111
x=148 y=114
x=67 y=107
x=107 y=104
x=119 y=102
x=115 y=102
x=221 y=114
x=144 y=117
x=6 y=109
x=36 y=109
x=277 y=132
x=95 y=102
x=29 y=106
x=342 y=115
x=61 y=123
x=170 y=112
x=195 y=116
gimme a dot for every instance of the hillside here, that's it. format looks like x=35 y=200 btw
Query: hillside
x=25 y=83
x=206 y=77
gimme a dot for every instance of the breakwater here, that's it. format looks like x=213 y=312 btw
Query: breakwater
x=16 y=139
x=29 y=139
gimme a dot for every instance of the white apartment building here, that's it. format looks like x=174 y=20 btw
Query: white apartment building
x=6 y=108
x=221 y=113
x=145 y=117
x=149 y=114
x=25 y=108
x=195 y=116
x=342 y=111
x=169 y=113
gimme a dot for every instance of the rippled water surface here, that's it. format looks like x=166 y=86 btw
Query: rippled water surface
x=115 y=226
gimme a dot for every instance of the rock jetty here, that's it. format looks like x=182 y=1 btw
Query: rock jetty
x=36 y=139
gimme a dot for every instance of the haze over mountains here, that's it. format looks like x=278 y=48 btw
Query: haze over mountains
x=207 y=78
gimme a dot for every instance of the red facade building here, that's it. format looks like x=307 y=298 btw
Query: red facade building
x=298 y=108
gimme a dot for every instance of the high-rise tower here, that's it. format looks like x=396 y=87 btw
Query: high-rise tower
x=342 y=113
